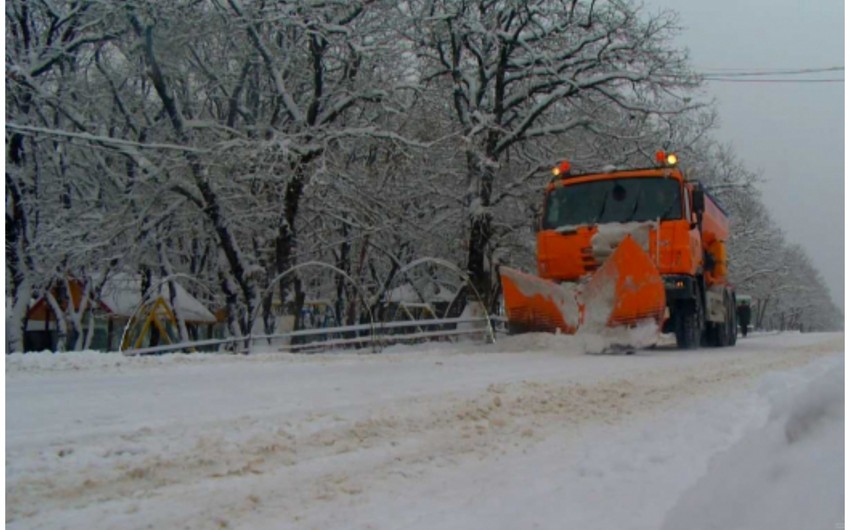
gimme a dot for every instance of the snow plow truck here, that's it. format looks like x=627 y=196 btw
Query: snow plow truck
x=627 y=248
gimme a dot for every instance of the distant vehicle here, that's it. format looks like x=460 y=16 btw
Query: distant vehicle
x=623 y=247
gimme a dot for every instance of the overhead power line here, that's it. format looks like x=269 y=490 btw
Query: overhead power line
x=736 y=80
x=763 y=75
x=757 y=75
x=749 y=72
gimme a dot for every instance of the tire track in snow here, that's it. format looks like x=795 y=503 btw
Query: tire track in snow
x=280 y=466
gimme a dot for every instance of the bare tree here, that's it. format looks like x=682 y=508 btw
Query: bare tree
x=522 y=70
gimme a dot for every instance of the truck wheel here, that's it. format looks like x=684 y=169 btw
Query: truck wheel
x=729 y=323
x=689 y=324
x=721 y=334
x=718 y=332
x=722 y=337
x=715 y=334
x=733 y=323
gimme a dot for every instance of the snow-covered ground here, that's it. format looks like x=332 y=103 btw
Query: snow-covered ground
x=527 y=433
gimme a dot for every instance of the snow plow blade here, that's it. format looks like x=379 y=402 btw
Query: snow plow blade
x=626 y=290
x=535 y=304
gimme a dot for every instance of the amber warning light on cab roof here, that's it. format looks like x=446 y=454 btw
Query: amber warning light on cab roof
x=562 y=169
x=666 y=159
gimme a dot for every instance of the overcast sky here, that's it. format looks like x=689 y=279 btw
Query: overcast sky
x=793 y=134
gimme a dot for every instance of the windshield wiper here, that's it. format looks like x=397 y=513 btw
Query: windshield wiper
x=634 y=210
x=602 y=211
x=669 y=209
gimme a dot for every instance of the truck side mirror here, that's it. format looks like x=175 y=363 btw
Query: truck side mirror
x=694 y=220
x=699 y=201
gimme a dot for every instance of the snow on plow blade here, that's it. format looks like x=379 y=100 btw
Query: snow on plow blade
x=535 y=304
x=624 y=291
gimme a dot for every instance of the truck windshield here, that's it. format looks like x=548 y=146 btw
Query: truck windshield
x=613 y=201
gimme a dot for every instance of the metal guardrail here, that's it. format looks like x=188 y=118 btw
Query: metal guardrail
x=379 y=335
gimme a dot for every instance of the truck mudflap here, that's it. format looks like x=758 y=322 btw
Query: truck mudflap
x=626 y=290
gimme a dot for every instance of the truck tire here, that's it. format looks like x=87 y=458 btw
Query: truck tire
x=717 y=333
x=720 y=331
x=722 y=334
x=689 y=324
x=733 y=322
x=729 y=331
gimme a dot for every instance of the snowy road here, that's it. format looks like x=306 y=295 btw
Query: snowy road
x=527 y=433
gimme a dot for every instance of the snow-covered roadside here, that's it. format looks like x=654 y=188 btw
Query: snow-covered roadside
x=524 y=433
x=786 y=475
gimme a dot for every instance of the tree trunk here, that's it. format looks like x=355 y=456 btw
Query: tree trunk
x=16 y=317
x=61 y=324
x=16 y=244
x=286 y=243
x=268 y=314
x=199 y=172
x=480 y=177
x=343 y=263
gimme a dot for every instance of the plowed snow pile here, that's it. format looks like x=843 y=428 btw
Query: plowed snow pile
x=526 y=433
x=794 y=462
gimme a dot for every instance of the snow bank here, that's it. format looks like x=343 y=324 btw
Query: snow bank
x=590 y=340
x=789 y=474
x=607 y=340
x=97 y=361
x=50 y=361
x=538 y=342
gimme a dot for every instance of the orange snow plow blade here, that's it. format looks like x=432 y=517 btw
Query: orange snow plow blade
x=626 y=290
x=535 y=304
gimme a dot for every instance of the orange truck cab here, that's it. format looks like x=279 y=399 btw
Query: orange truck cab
x=656 y=237
x=676 y=223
